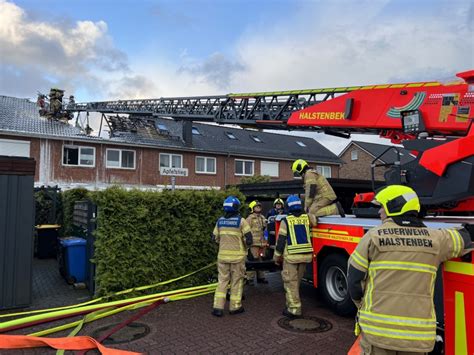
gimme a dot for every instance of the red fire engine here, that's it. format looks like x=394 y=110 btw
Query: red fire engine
x=431 y=119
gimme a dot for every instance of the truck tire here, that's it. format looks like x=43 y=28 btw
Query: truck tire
x=332 y=282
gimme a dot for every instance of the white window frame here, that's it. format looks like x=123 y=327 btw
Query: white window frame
x=171 y=160
x=80 y=147
x=244 y=160
x=272 y=163
x=205 y=165
x=120 y=158
x=354 y=154
x=320 y=169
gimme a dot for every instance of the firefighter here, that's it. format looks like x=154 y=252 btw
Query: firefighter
x=294 y=250
x=391 y=275
x=320 y=198
x=277 y=209
x=232 y=233
x=257 y=224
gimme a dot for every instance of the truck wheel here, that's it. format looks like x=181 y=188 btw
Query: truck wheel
x=332 y=282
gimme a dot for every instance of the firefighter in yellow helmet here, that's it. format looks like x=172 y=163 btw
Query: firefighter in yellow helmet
x=278 y=209
x=232 y=233
x=294 y=250
x=257 y=223
x=392 y=271
x=320 y=198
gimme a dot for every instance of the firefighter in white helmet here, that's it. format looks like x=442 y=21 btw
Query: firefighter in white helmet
x=392 y=271
x=232 y=233
x=258 y=224
x=320 y=198
x=294 y=250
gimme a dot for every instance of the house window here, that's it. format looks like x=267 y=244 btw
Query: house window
x=300 y=143
x=324 y=170
x=230 y=135
x=354 y=154
x=244 y=167
x=196 y=131
x=269 y=168
x=14 y=148
x=121 y=159
x=79 y=156
x=205 y=165
x=171 y=160
x=256 y=139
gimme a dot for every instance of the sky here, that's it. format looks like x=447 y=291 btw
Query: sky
x=124 y=49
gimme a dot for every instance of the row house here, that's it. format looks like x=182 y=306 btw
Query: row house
x=144 y=152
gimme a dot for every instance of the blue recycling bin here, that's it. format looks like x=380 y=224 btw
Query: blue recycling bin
x=74 y=254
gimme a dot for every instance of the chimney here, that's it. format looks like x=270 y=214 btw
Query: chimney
x=188 y=132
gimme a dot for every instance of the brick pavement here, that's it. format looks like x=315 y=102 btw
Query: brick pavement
x=187 y=327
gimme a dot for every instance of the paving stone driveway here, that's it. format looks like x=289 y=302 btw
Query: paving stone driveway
x=188 y=327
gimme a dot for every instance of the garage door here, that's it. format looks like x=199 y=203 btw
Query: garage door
x=14 y=148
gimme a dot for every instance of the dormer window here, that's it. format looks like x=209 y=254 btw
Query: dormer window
x=256 y=139
x=196 y=131
x=300 y=143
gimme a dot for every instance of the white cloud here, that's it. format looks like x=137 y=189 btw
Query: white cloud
x=60 y=54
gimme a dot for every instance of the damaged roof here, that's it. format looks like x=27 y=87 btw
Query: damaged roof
x=21 y=117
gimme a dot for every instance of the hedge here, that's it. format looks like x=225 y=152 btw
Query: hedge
x=144 y=237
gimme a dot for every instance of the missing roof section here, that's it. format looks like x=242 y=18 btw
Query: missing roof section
x=145 y=128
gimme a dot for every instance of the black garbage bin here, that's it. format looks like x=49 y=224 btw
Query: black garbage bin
x=47 y=240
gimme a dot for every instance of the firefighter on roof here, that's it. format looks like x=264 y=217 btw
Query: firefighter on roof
x=320 y=198
x=232 y=233
x=392 y=272
x=257 y=224
x=294 y=250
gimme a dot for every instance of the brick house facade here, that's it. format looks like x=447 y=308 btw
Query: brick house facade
x=357 y=158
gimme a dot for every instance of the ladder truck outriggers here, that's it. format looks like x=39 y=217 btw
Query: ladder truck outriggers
x=431 y=119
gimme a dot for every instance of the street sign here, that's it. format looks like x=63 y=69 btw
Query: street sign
x=174 y=171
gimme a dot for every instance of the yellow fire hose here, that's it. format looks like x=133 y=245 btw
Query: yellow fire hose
x=141 y=288
x=71 y=311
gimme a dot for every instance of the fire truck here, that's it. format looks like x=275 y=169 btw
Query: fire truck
x=433 y=120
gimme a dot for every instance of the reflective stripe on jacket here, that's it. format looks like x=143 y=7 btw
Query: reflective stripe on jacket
x=294 y=239
x=229 y=233
x=392 y=275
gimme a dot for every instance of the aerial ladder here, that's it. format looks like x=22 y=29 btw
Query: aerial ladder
x=431 y=119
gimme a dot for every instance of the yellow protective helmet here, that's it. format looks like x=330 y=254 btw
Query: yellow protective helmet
x=299 y=166
x=278 y=200
x=253 y=204
x=397 y=200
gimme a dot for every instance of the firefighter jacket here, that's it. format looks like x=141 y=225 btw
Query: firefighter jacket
x=232 y=234
x=317 y=190
x=257 y=225
x=294 y=240
x=391 y=277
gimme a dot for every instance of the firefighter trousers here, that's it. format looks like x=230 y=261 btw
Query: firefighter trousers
x=292 y=275
x=369 y=349
x=256 y=250
x=323 y=207
x=233 y=273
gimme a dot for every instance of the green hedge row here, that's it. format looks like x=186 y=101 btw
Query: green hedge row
x=144 y=237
